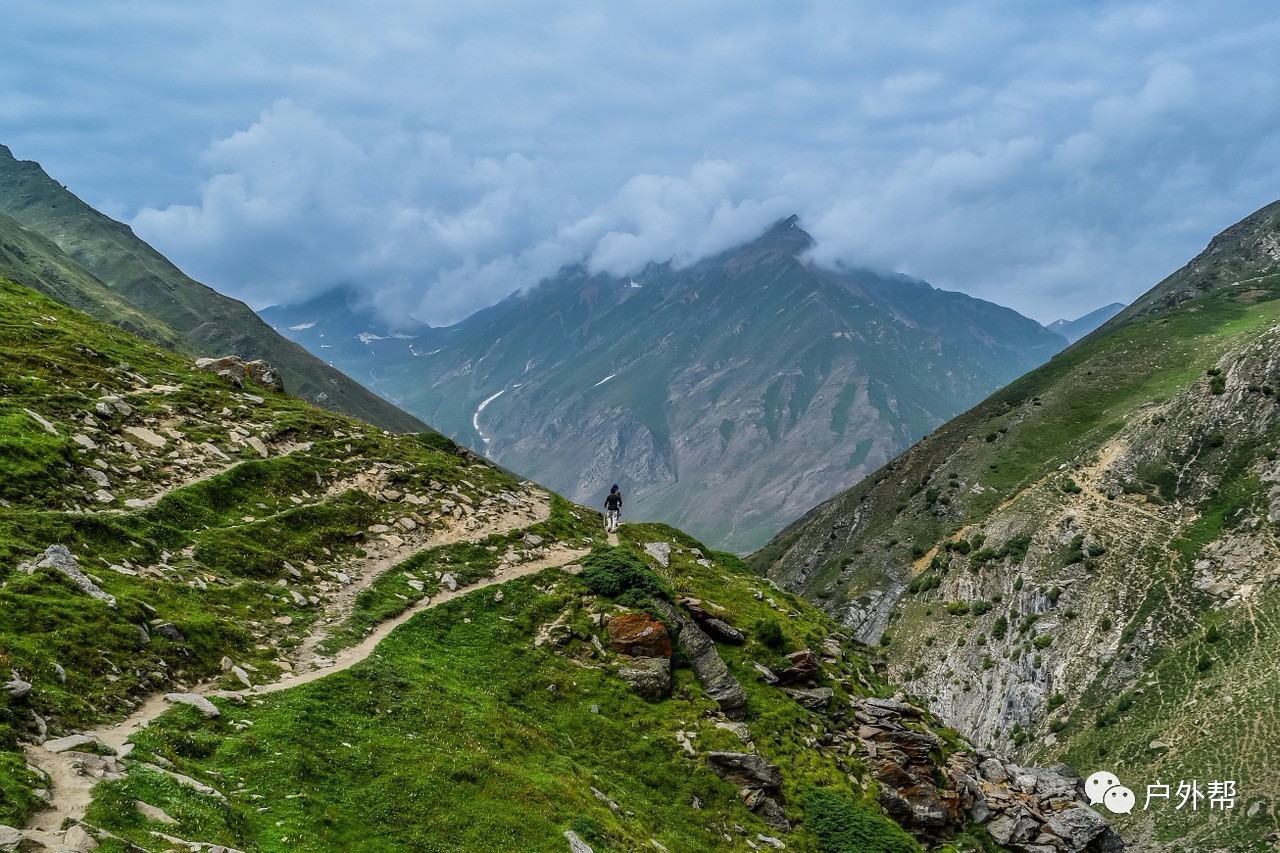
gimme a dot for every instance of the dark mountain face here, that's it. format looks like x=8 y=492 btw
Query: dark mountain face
x=54 y=242
x=1084 y=567
x=1074 y=330
x=727 y=397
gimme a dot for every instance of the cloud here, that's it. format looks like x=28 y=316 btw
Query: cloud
x=1049 y=157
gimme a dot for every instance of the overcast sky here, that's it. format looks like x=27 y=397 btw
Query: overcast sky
x=1052 y=157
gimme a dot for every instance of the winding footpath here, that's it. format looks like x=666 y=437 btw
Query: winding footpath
x=71 y=791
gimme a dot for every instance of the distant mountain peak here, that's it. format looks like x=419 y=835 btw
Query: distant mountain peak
x=787 y=232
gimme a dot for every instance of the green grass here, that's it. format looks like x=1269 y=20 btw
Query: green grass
x=449 y=737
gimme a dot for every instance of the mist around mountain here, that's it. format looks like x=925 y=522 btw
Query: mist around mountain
x=1074 y=330
x=54 y=242
x=726 y=398
x=1085 y=566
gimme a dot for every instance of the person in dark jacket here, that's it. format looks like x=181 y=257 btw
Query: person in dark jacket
x=612 y=509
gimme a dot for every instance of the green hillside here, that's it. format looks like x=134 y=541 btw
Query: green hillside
x=383 y=642
x=149 y=295
x=1084 y=566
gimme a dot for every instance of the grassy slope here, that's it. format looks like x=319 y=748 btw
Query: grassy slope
x=58 y=363
x=461 y=734
x=447 y=738
x=94 y=246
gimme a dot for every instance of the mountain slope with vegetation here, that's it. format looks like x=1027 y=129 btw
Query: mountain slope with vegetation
x=232 y=618
x=149 y=295
x=1085 y=566
x=727 y=397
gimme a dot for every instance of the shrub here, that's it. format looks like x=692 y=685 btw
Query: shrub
x=1000 y=628
x=768 y=631
x=617 y=573
x=843 y=826
x=980 y=607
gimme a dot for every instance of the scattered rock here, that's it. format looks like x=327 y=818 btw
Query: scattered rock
x=195 y=700
x=146 y=436
x=816 y=699
x=650 y=678
x=660 y=551
x=576 y=844
x=637 y=635
x=237 y=372
x=170 y=632
x=151 y=812
x=804 y=666
x=78 y=840
x=48 y=427
x=17 y=688
x=745 y=769
x=15 y=841
x=68 y=743
x=241 y=676
x=708 y=667
x=450 y=581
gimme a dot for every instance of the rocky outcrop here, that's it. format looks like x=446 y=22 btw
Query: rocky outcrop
x=650 y=678
x=708 y=667
x=237 y=372
x=637 y=635
x=745 y=769
x=1027 y=809
x=707 y=615
x=59 y=559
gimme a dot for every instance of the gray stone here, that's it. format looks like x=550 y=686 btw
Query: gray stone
x=815 y=699
x=78 y=840
x=767 y=809
x=195 y=700
x=745 y=769
x=58 y=558
x=650 y=678
x=660 y=551
x=70 y=742
x=170 y=632
x=18 y=688
x=576 y=844
x=1083 y=828
x=708 y=667
x=15 y=841
x=151 y=812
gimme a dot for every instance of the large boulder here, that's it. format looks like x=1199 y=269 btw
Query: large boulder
x=816 y=699
x=708 y=667
x=15 y=841
x=637 y=635
x=650 y=678
x=804 y=666
x=237 y=372
x=58 y=558
x=745 y=769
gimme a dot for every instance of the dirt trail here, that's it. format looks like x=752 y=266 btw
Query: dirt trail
x=72 y=792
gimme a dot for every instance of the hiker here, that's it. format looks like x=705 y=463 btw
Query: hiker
x=612 y=509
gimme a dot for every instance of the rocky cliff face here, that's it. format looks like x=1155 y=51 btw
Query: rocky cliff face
x=1086 y=564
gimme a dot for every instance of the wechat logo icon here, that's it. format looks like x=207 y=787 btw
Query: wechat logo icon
x=1105 y=788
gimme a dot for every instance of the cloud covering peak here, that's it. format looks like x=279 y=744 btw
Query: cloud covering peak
x=1049 y=157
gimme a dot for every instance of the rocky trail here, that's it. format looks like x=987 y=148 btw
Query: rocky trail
x=73 y=772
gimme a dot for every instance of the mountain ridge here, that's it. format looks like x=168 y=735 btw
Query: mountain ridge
x=671 y=380
x=94 y=246
x=1076 y=567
